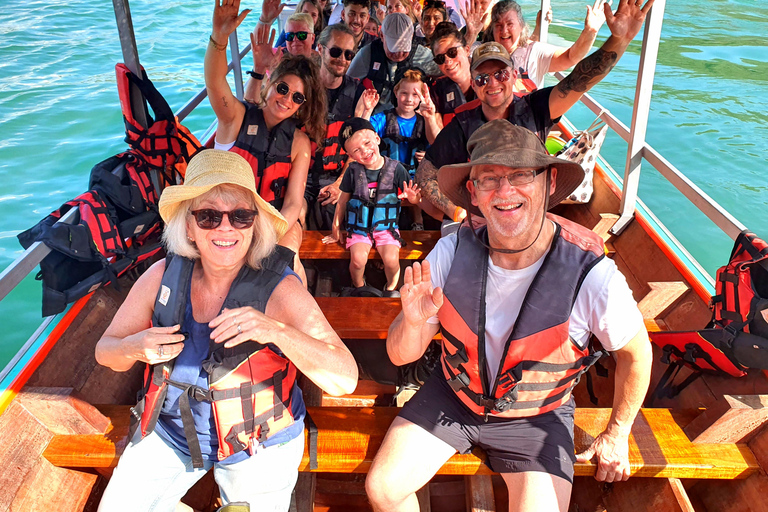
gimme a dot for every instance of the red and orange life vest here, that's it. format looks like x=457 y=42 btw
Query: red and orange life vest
x=540 y=364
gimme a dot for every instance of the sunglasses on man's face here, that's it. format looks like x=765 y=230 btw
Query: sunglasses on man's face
x=336 y=52
x=501 y=75
x=301 y=36
x=283 y=90
x=450 y=53
x=208 y=218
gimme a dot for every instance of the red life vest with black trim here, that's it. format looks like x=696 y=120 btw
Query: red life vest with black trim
x=268 y=152
x=342 y=108
x=540 y=364
x=249 y=386
x=448 y=96
x=165 y=144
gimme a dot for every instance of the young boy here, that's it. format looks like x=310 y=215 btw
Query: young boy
x=370 y=203
x=408 y=128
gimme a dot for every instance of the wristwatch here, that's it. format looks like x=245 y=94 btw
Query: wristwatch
x=255 y=75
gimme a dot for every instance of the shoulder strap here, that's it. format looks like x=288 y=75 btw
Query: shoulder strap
x=171 y=299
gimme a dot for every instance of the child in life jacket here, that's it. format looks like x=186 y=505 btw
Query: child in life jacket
x=370 y=204
x=408 y=128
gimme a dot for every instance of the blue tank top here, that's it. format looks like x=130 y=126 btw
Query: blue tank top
x=188 y=368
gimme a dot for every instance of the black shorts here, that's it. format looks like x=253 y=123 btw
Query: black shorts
x=538 y=443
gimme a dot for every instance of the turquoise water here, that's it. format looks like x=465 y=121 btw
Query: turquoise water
x=60 y=115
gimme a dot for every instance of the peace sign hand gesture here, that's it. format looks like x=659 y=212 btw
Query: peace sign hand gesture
x=226 y=19
x=426 y=107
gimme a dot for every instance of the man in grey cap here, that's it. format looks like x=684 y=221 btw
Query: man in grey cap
x=378 y=63
x=517 y=302
x=493 y=76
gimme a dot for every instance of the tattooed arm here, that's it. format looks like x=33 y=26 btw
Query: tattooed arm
x=426 y=177
x=624 y=25
x=229 y=111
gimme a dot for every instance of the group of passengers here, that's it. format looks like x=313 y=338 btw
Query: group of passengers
x=341 y=125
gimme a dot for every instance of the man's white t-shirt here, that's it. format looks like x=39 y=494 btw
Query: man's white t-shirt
x=604 y=306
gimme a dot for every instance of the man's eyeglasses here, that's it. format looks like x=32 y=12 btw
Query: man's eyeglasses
x=336 y=52
x=501 y=75
x=515 y=179
x=301 y=36
x=450 y=52
x=283 y=90
x=208 y=218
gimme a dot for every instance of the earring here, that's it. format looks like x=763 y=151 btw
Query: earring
x=190 y=239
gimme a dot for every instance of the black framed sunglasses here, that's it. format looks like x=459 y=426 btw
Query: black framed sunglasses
x=301 y=36
x=501 y=75
x=450 y=52
x=283 y=90
x=208 y=218
x=336 y=52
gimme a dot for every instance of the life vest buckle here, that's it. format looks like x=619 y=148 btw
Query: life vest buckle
x=200 y=394
x=459 y=381
x=460 y=357
x=504 y=403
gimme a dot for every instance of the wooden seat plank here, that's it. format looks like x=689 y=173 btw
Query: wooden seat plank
x=349 y=438
x=418 y=245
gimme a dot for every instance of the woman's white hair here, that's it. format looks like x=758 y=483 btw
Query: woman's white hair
x=264 y=235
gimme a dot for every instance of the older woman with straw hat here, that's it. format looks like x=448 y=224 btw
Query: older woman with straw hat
x=223 y=324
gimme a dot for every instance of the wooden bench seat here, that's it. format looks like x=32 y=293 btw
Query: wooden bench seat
x=349 y=437
x=419 y=243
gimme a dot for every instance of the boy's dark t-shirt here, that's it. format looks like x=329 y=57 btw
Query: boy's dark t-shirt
x=348 y=181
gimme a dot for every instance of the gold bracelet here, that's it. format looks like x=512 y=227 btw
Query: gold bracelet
x=217 y=46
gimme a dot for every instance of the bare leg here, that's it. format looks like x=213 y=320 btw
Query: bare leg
x=358 y=257
x=390 y=256
x=408 y=458
x=534 y=491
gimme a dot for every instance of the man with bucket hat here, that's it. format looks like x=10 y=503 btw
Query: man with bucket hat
x=517 y=302
x=493 y=79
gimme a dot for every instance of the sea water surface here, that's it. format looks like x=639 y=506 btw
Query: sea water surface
x=60 y=114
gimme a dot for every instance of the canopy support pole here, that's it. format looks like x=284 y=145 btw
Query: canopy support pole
x=640 y=111
x=130 y=56
x=234 y=49
x=544 y=28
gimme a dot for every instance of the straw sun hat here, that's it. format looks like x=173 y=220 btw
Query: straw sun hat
x=500 y=142
x=214 y=167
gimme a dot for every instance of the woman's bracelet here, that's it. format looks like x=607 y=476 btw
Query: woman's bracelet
x=217 y=46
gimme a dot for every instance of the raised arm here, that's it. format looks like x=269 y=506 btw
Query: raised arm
x=433 y=122
x=229 y=112
x=624 y=25
x=426 y=176
x=367 y=103
x=264 y=59
x=564 y=58
x=294 y=323
x=410 y=333
x=633 y=372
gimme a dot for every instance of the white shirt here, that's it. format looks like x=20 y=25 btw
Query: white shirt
x=538 y=57
x=604 y=306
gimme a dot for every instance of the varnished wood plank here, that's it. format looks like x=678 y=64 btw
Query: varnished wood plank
x=661 y=297
x=732 y=420
x=479 y=493
x=419 y=243
x=349 y=438
x=658 y=495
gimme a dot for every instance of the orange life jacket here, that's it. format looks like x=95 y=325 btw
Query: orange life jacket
x=340 y=110
x=540 y=364
x=268 y=152
x=249 y=386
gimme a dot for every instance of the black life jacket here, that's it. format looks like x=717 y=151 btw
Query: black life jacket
x=366 y=215
x=541 y=364
x=268 y=152
x=378 y=76
x=737 y=337
x=165 y=145
x=250 y=385
x=392 y=137
x=339 y=111
x=447 y=96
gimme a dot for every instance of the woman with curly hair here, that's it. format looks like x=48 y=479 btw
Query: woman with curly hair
x=268 y=134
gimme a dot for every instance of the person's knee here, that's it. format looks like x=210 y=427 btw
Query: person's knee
x=358 y=260
x=382 y=490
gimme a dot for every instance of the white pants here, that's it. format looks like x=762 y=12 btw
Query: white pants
x=153 y=476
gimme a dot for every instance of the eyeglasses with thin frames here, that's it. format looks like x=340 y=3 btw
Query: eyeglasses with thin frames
x=502 y=75
x=515 y=179
x=283 y=90
x=209 y=218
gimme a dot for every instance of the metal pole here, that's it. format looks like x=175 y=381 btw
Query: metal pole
x=130 y=55
x=642 y=107
x=544 y=29
x=238 y=72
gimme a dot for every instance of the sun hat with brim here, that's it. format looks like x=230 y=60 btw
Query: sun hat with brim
x=209 y=169
x=490 y=51
x=500 y=142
